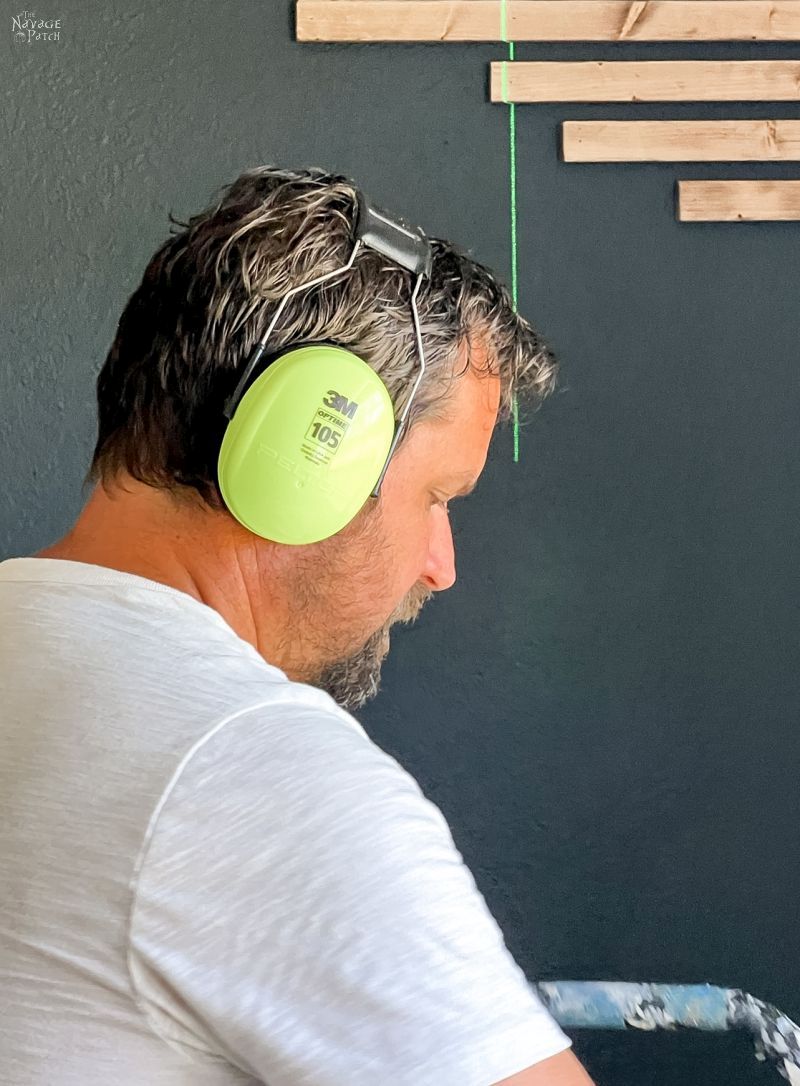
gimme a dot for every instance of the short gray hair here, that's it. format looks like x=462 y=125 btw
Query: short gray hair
x=209 y=292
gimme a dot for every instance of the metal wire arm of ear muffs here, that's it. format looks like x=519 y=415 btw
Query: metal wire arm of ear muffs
x=406 y=246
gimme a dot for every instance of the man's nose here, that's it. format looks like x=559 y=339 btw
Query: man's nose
x=440 y=566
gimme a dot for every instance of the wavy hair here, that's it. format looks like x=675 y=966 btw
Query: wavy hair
x=209 y=292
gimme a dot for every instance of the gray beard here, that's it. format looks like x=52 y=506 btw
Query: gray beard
x=355 y=681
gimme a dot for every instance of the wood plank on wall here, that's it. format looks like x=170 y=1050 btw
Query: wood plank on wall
x=681 y=141
x=646 y=81
x=738 y=201
x=548 y=20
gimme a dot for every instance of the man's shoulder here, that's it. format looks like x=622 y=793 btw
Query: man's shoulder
x=290 y=785
x=292 y=732
x=295 y=767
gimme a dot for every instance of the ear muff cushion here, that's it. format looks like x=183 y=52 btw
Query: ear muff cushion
x=306 y=445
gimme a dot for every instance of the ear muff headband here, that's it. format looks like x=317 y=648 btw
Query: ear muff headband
x=312 y=437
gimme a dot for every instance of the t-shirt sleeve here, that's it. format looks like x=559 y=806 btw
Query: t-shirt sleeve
x=301 y=911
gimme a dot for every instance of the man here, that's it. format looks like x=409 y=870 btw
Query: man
x=210 y=874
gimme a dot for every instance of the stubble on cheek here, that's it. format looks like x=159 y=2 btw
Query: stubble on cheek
x=337 y=592
x=352 y=674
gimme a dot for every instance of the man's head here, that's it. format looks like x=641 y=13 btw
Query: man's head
x=321 y=612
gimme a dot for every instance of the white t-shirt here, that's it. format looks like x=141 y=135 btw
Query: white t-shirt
x=210 y=875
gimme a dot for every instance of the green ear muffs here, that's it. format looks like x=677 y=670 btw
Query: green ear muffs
x=306 y=445
x=311 y=438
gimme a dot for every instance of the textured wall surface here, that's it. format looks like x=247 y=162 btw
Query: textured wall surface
x=606 y=704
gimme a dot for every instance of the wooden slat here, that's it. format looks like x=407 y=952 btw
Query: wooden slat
x=647 y=81
x=738 y=201
x=548 y=20
x=681 y=141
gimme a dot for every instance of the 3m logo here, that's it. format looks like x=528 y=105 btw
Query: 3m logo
x=340 y=403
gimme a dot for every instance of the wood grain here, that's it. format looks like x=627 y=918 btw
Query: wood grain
x=681 y=141
x=738 y=201
x=548 y=20
x=647 y=81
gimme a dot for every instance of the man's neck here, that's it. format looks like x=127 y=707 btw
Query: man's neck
x=139 y=530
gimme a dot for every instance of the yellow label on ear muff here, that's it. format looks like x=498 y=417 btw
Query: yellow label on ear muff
x=306 y=445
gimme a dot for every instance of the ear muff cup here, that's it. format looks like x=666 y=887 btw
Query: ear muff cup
x=306 y=445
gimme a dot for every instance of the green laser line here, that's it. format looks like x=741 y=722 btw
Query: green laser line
x=512 y=161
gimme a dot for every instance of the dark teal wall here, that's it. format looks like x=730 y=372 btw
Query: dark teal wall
x=606 y=705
